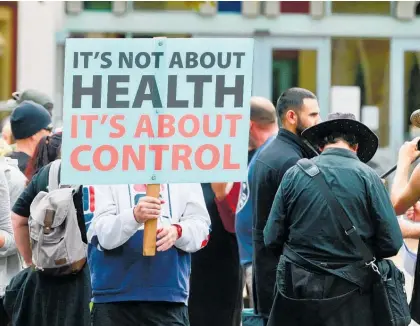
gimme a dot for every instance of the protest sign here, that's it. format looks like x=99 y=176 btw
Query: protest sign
x=156 y=110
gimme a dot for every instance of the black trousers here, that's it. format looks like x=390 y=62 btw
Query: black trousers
x=140 y=313
x=4 y=318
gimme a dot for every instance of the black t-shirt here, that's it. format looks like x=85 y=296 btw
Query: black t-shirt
x=39 y=183
x=22 y=158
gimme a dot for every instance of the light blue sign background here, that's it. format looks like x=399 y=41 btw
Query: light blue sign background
x=185 y=91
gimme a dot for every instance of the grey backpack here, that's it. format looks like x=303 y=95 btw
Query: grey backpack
x=56 y=240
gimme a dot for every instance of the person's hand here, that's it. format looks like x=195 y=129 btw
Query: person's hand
x=408 y=151
x=166 y=238
x=147 y=208
x=413 y=213
x=221 y=189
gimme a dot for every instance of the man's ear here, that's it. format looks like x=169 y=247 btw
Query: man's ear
x=291 y=117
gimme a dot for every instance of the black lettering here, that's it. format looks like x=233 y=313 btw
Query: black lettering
x=222 y=90
x=199 y=81
x=79 y=91
x=203 y=60
x=192 y=61
x=173 y=102
x=106 y=61
x=114 y=91
x=157 y=56
x=176 y=60
x=238 y=56
x=220 y=60
x=138 y=60
x=86 y=56
x=124 y=62
x=142 y=95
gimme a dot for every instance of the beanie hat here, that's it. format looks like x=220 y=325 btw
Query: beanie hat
x=34 y=95
x=28 y=118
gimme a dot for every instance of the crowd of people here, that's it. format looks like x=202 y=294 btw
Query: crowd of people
x=275 y=237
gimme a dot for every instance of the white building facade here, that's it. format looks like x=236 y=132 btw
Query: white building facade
x=373 y=47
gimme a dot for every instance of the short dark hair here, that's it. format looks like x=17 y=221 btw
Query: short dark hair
x=263 y=114
x=292 y=98
x=337 y=136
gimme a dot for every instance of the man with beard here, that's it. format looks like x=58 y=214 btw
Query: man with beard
x=216 y=285
x=297 y=109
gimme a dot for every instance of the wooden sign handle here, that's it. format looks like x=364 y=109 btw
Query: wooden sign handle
x=150 y=226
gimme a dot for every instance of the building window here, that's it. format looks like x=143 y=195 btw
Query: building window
x=293 y=68
x=161 y=5
x=411 y=91
x=294 y=7
x=418 y=10
x=159 y=35
x=97 y=5
x=229 y=6
x=364 y=63
x=96 y=35
x=361 y=7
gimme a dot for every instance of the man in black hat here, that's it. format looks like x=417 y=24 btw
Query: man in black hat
x=29 y=122
x=297 y=109
x=314 y=247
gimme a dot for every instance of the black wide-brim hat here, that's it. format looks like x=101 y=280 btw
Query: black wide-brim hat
x=345 y=123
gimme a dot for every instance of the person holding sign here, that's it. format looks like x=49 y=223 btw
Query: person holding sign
x=132 y=289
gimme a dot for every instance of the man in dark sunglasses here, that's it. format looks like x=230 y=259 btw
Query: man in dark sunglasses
x=29 y=122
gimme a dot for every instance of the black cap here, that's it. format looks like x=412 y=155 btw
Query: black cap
x=28 y=118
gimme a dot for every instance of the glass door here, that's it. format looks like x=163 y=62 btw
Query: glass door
x=281 y=63
x=405 y=90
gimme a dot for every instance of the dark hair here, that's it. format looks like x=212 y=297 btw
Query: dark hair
x=335 y=137
x=47 y=151
x=292 y=98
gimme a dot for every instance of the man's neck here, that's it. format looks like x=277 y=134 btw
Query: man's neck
x=339 y=144
x=24 y=147
x=265 y=135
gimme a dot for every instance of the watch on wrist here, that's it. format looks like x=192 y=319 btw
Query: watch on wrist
x=178 y=229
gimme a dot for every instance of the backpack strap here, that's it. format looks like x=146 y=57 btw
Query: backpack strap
x=53 y=182
x=313 y=171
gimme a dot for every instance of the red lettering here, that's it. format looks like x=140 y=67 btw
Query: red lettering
x=144 y=125
x=73 y=126
x=74 y=158
x=195 y=129
x=89 y=123
x=181 y=153
x=233 y=119
x=138 y=160
x=227 y=164
x=97 y=157
x=199 y=157
x=166 y=125
x=206 y=126
x=158 y=149
x=116 y=125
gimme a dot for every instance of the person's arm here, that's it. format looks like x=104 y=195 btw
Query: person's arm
x=223 y=203
x=409 y=229
x=113 y=228
x=20 y=215
x=195 y=221
x=275 y=230
x=388 y=238
x=405 y=193
x=7 y=241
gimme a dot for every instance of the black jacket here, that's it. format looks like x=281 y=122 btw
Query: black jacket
x=272 y=163
x=304 y=227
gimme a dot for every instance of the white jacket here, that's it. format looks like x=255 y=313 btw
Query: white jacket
x=114 y=224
